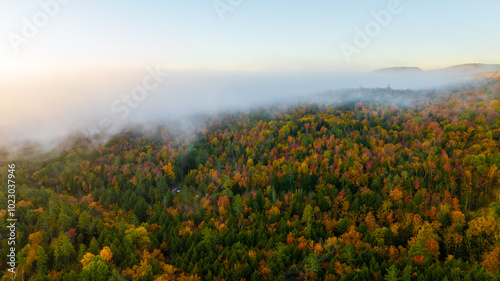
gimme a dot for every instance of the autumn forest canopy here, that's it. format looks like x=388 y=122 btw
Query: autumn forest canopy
x=361 y=184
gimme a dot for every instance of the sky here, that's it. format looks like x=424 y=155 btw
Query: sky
x=255 y=35
x=73 y=64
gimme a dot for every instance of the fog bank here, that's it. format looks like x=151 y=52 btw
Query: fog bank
x=48 y=107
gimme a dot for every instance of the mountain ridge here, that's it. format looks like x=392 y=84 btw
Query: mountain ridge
x=469 y=67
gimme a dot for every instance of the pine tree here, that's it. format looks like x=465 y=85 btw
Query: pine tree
x=94 y=246
x=392 y=274
x=42 y=263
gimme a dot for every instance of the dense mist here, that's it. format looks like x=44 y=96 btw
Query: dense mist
x=46 y=108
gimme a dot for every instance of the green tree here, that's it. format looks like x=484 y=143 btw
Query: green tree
x=84 y=223
x=238 y=205
x=140 y=210
x=392 y=274
x=311 y=263
x=307 y=216
x=63 y=250
x=97 y=270
x=43 y=259
x=349 y=255
x=94 y=246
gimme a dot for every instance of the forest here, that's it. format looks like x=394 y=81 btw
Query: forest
x=401 y=185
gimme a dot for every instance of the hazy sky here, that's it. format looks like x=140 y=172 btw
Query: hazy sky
x=277 y=35
x=70 y=65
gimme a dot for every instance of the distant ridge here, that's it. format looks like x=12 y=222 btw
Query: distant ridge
x=401 y=77
x=474 y=66
x=467 y=68
x=398 y=70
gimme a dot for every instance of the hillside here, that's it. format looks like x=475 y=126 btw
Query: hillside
x=399 y=70
x=373 y=185
x=462 y=69
x=416 y=78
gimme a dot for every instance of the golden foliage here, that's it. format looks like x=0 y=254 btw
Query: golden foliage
x=169 y=170
x=482 y=226
x=106 y=254
x=492 y=260
x=264 y=271
x=351 y=236
x=396 y=194
x=87 y=259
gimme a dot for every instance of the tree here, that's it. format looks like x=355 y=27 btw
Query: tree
x=42 y=262
x=349 y=254
x=106 y=254
x=169 y=171
x=482 y=228
x=63 y=250
x=392 y=274
x=238 y=205
x=264 y=271
x=307 y=216
x=139 y=236
x=87 y=259
x=492 y=260
x=311 y=263
x=223 y=204
x=94 y=246
x=140 y=210
x=371 y=222
x=84 y=221
x=97 y=270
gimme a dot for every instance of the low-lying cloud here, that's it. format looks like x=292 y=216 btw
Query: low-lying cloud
x=48 y=107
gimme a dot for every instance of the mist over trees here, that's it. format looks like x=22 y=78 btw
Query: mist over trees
x=102 y=101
